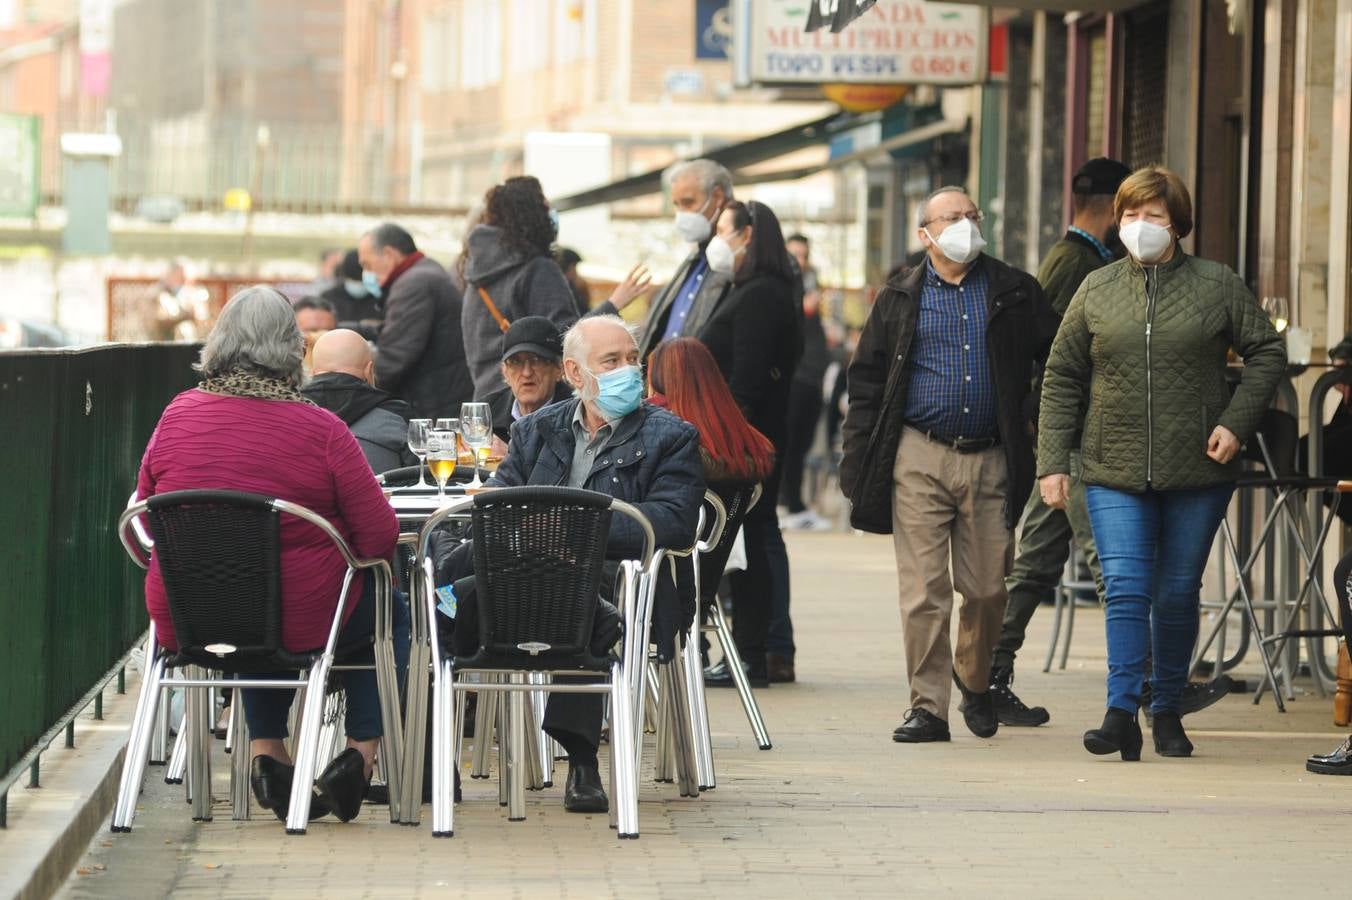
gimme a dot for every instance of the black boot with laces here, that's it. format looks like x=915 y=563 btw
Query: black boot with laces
x=1008 y=707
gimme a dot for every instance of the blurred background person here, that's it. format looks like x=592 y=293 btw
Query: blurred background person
x=180 y=311
x=568 y=259
x=1137 y=377
x=354 y=305
x=755 y=334
x=422 y=352
x=342 y=380
x=314 y=318
x=330 y=259
x=805 y=396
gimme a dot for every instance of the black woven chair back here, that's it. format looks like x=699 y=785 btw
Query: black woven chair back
x=1280 y=434
x=737 y=502
x=219 y=555
x=539 y=554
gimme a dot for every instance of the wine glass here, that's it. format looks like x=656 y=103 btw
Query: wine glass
x=476 y=426
x=418 y=430
x=1278 y=311
x=446 y=425
x=442 y=451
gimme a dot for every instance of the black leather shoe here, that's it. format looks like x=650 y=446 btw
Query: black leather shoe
x=343 y=784
x=1119 y=733
x=271 y=782
x=719 y=675
x=584 y=793
x=1339 y=762
x=978 y=710
x=779 y=668
x=1009 y=709
x=921 y=727
x=1170 y=739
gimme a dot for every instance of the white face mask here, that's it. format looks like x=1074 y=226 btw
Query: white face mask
x=722 y=258
x=693 y=226
x=961 y=242
x=1145 y=241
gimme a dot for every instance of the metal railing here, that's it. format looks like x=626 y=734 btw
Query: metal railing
x=75 y=423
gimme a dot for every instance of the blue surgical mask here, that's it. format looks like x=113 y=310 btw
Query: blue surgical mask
x=554 y=221
x=619 y=392
x=372 y=283
x=355 y=289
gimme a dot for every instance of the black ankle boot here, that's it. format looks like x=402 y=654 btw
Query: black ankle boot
x=1170 y=739
x=1119 y=733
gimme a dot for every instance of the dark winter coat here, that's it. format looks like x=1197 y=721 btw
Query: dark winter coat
x=421 y=356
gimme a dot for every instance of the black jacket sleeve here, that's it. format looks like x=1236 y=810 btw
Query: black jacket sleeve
x=866 y=380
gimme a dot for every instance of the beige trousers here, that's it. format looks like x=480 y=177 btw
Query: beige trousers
x=948 y=528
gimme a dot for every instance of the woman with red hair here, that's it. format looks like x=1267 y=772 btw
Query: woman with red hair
x=684 y=378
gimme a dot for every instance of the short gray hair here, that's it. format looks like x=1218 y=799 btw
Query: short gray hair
x=710 y=174
x=575 y=344
x=922 y=215
x=256 y=333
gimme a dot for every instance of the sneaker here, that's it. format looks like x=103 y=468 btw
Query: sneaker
x=1008 y=707
x=807 y=520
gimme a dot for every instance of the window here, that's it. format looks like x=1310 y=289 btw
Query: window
x=481 y=43
x=530 y=35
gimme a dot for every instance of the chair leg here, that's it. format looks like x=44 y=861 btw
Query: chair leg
x=1241 y=571
x=485 y=719
x=683 y=739
x=1059 y=602
x=693 y=685
x=663 y=754
x=533 y=739
x=739 y=678
x=240 y=790
x=178 y=758
x=516 y=773
x=461 y=701
x=306 y=753
x=544 y=748
x=159 y=746
x=138 y=743
x=651 y=718
x=446 y=723
x=405 y=799
x=504 y=745
x=623 y=756
x=1070 y=628
x=198 y=720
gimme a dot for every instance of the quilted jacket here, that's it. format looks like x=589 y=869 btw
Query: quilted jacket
x=1146 y=345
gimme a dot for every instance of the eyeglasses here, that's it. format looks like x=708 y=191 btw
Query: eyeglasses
x=524 y=360
x=975 y=217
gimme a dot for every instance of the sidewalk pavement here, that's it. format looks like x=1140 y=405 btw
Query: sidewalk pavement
x=836 y=809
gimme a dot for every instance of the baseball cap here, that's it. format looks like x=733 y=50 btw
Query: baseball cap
x=1099 y=176
x=533 y=334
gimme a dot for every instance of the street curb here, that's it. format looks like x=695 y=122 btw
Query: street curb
x=54 y=867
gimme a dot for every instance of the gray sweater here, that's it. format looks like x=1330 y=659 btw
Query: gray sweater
x=519 y=285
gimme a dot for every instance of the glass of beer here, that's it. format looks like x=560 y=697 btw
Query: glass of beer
x=441 y=454
x=476 y=425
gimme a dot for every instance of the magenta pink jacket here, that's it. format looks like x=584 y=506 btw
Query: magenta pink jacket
x=282 y=449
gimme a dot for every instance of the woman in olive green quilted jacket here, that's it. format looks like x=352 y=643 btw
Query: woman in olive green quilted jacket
x=1137 y=380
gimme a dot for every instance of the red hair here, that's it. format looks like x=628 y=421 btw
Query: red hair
x=684 y=373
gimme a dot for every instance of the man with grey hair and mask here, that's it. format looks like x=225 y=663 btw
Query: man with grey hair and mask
x=938 y=451
x=699 y=190
x=604 y=439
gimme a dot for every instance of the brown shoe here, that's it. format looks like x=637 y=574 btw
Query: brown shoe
x=779 y=668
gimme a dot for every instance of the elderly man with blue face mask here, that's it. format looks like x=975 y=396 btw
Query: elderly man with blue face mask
x=604 y=439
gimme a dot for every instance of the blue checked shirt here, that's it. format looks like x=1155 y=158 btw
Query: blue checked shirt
x=951 y=393
x=685 y=299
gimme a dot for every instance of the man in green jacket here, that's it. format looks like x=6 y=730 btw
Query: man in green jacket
x=1044 y=544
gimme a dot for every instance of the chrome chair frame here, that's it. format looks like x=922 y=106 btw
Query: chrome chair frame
x=313 y=683
x=448 y=692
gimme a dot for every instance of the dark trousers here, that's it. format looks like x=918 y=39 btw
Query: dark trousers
x=1044 y=547
x=266 y=710
x=805 y=411
x=760 y=595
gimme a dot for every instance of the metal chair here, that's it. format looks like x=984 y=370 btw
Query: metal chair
x=539 y=554
x=1274 y=448
x=712 y=562
x=219 y=554
x=1071 y=584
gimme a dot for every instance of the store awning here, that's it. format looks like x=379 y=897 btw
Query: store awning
x=734 y=156
x=911 y=138
x=1060 y=6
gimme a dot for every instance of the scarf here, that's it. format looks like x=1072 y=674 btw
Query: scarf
x=249 y=384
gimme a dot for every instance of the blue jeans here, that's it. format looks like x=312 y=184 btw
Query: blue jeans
x=1153 y=547
x=266 y=710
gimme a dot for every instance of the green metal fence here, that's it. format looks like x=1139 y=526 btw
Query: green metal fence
x=73 y=426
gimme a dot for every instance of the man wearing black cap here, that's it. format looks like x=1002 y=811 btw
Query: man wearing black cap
x=1045 y=542
x=532 y=366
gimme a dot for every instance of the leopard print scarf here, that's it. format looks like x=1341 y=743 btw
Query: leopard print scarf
x=249 y=384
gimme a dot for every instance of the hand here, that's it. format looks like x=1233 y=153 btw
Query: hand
x=1222 y=445
x=635 y=283
x=1055 y=490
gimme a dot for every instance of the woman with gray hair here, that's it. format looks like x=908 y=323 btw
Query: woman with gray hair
x=247 y=428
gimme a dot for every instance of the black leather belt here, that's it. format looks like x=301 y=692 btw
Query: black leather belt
x=962 y=445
